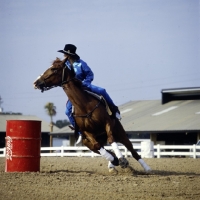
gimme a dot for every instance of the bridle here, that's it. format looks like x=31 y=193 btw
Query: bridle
x=63 y=82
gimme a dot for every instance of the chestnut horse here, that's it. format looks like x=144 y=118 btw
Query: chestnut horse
x=91 y=117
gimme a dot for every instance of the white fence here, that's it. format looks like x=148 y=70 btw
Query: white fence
x=159 y=151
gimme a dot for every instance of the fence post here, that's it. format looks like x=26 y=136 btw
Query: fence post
x=62 y=151
x=158 y=150
x=194 y=151
x=126 y=152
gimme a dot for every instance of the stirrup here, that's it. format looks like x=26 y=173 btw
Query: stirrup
x=118 y=116
x=79 y=139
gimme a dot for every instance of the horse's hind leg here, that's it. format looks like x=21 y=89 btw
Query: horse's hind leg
x=126 y=142
x=120 y=136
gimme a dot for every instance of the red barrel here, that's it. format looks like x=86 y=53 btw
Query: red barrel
x=23 y=142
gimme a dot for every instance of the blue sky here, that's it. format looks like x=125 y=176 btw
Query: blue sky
x=135 y=48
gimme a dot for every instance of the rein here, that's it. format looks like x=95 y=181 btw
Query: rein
x=45 y=88
x=63 y=77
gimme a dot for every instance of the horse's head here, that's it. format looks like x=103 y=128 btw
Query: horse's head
x=56 y=75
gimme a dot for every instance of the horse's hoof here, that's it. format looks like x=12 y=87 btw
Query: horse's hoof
x=112 y=170
x=123 y=162
x=115 y=161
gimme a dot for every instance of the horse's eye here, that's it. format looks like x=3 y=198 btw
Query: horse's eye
x=54 y=70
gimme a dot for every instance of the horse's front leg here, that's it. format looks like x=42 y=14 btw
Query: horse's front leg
x=111 y=166
x=94 y=146
x=123 y=162
x=88 y=144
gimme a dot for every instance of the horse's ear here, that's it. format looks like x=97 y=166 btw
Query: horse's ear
x=57 y=58
x=65 y=59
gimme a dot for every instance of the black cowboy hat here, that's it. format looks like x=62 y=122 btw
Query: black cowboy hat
x=69 y=49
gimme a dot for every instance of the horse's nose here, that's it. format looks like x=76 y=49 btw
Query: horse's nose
x=35 y=85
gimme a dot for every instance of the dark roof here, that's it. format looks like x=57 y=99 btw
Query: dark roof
x=192 y=93
x=152 y=116
x=44 y=126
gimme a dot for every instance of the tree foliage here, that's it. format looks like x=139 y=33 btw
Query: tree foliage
x=62 y=123
x=50 y=110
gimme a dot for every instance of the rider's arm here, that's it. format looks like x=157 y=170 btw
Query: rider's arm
x=87 y=73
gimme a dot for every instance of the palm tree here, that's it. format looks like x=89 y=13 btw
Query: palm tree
x=51 y=111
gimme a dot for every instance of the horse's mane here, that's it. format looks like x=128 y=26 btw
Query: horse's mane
x=57 y=60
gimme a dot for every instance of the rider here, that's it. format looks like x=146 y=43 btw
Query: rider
x=85 y=74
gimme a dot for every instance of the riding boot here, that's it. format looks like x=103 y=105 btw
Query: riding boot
x=115 y=112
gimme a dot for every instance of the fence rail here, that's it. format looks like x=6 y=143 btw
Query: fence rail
x=159 y=151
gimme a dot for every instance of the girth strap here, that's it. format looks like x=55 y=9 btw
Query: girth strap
x=88 y=115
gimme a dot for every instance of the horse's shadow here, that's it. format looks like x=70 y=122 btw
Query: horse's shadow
x=133 y=173
x=68 y=171
x=166 y=173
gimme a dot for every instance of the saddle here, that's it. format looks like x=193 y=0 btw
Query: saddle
x=100 y=98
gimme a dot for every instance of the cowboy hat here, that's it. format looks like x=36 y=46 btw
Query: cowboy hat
x=69 y=49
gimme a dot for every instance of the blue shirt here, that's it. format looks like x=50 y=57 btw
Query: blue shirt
x=83 y=72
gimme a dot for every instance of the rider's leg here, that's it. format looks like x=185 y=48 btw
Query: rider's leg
x=68 y=112
x=112 y=106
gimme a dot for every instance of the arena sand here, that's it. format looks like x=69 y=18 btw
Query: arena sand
x=85 y=178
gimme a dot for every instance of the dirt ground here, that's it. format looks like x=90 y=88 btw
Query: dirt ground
x=81 y=178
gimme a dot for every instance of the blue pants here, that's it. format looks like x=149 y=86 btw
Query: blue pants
x=92 y=88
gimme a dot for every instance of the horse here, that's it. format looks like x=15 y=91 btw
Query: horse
x=91 y=116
